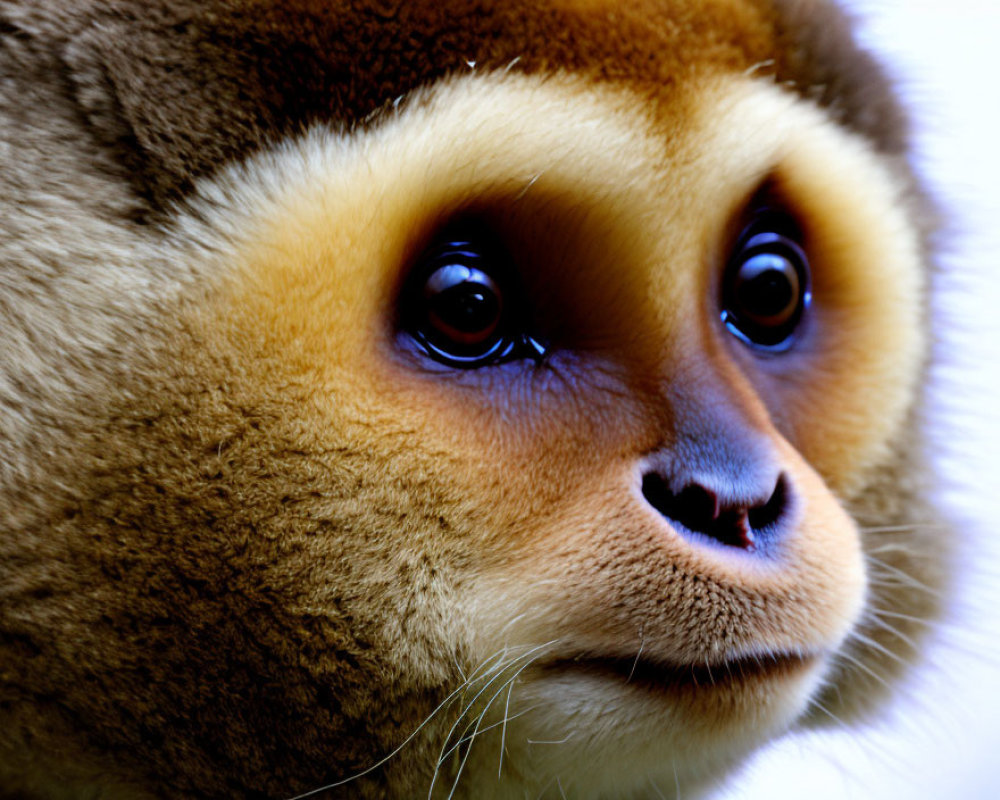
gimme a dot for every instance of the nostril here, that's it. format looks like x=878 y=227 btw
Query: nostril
x=699 y=509
x=695 y=507
x=765 y=516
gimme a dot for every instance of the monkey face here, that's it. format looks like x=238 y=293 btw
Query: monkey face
x=629 y=531
x=540 y=421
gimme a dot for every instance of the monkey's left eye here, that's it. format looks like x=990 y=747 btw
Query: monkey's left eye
x=766 y=287
x=461 y=305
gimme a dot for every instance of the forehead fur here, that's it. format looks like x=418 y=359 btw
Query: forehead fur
x=182 y=87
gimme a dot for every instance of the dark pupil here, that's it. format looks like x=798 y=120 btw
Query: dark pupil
x=466 y=307
x=767 y=289
x=462 y=303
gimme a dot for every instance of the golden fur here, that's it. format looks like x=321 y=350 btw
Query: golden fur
x=253 y=542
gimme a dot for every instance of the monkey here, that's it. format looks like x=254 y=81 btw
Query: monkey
x=456 y=399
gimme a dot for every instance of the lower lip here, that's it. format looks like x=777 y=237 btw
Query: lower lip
x=664 y=677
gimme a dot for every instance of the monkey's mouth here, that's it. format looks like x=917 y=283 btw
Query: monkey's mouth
x=658 y=676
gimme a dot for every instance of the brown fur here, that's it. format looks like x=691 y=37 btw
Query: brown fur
x=248 y=543
x=183 y=87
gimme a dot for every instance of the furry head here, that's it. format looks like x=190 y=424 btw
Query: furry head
x=455 y=397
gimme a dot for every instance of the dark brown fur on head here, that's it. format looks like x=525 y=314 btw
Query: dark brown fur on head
x=226 y=570
x=184 y=87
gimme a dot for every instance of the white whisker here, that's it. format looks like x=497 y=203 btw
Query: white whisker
x=840 y=723
x=906 y=528
x=873 y=617
x=489 y=703
x=503 y=733
x=901 y=577
x=441 y=706
x=551 y=741
x=642 y=644
x=656 y=789
x=498 y=672
x=867 y=641
x=858 y=664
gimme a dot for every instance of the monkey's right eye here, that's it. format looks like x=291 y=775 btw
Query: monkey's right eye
x=460 y=307
x=766 y=285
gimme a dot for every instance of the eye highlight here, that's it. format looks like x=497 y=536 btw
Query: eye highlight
x=463 y=305
x=765 y=290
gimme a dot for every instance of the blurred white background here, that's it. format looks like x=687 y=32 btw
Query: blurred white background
x=941 y=739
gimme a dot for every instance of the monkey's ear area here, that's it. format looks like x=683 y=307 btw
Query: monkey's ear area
x=816 y=47
x=146 y=101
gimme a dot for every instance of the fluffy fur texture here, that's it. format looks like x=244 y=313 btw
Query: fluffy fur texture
x=253 y=542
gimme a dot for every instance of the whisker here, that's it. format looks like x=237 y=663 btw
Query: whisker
x=840 y=723
x=901 y=577
x=906 y=528
x=874 y=618
x=884 y=612
x=468 y=750
x=656 y=789
x=642 y=644
x=458 y=666
x=867 y=641
x=508 y=683
x=442 y=755
x=442 y=705
x=489 y=727
x=545 y=788
x=513 y=621
x=759 y=66
x=499 y=671
x=858 y=664
x=503 y=733
x=551 y=741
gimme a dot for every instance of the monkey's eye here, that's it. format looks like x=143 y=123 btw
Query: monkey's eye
x=766 y=287
x=460 y=306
